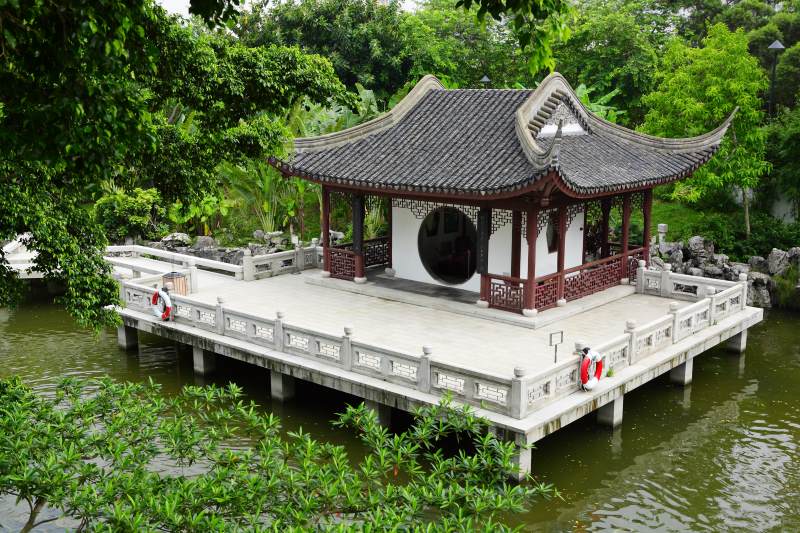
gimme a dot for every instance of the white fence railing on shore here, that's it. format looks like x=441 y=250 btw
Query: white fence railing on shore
x=514 y=396
x=253 y=267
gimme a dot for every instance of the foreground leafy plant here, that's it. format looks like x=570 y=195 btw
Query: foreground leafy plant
x=121 y=456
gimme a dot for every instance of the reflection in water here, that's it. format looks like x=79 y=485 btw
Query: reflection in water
x=719 y=455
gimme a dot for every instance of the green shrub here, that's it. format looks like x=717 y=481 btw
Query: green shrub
x=726 y=229
x=786 y=289
x=134 y=214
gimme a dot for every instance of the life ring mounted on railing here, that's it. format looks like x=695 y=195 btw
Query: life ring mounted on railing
x=161 y=304
x=590 y=377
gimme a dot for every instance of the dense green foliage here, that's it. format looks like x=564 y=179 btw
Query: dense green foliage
x=123 y=457
x=84 y=87
x=717 y=220
x=783 y=150
x=98 y=95
x=706 y=84
x=363 y=39
x=135 y=214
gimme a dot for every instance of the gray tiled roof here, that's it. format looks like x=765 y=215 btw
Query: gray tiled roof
x=472 y=142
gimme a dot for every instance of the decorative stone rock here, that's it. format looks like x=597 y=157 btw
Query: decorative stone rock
x=777 y=262
x=720 y=259
x=712 y=271
x=694 y=271
x=758 y=286
x=794 y=256
x=233 y=256
x=204 y=241
x=757 y=263
x=656 y=263
x=176 y=239
x=259 y=235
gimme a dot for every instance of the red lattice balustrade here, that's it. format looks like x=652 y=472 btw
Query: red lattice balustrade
x=506 y=292
x=342 y=263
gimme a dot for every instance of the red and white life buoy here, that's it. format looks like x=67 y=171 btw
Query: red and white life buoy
x=589 y=379
x=161 y=304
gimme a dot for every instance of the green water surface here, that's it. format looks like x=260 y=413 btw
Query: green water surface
x=720 y=455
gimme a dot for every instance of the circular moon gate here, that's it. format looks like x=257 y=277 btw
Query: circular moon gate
x=447 y=244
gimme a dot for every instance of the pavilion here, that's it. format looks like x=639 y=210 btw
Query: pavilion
x=523 y=196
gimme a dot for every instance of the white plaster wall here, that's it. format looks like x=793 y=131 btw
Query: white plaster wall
x=407 y=264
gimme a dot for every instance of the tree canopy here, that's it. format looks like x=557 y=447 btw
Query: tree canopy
x=123 y=457
x=85 y=88
x=697 y=88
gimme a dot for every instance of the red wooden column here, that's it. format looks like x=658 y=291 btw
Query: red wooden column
x=358 y=237
x=647 y=209
x=326 y=230
x=626 y=231
x=605 y=204
x=532 y=234
x=389 y=237
x=482 y=259
x=562 y=244
x=516 y=242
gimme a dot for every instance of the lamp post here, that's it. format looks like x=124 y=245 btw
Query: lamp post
x=485 y=81
x=777 y=46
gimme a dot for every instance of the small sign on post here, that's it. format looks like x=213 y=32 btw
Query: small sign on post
x=556 y=338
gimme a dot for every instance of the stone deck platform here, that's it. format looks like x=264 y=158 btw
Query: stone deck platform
x=371 y=345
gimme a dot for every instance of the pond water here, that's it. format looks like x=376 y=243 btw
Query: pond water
x=721 y=455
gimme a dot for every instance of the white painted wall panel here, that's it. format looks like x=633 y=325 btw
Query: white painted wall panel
x=407 y=264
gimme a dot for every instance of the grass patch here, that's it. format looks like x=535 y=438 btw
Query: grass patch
x=786 y=289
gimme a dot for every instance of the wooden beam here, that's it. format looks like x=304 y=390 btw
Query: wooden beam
x=482 y=261
x=647 y=208
x=516 y=242
x=357 y=204
x=626 y=231
x=562 y=244
x=326 y=229
x=605 y=249
x=532 y=235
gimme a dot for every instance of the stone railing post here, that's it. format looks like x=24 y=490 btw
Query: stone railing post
x=743 y=281
x=299 y=262
x=347 y=348
x=662 y=238
x=315 y=255
x=630 y=327
x=424 y=370
x=220 y=319
x=640 y=277
x=277 y=332
x=249 y=266
x=673 y=310
x=518 y=406
x=193 y=281
x=709 y=292
x=666 y=282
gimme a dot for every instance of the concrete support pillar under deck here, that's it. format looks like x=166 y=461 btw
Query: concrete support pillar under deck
x=737 y=343
x=127 y=337
x=611 y=413
x=523 y=460
x=384 y=412
x=682 y=374
x=204 y=361
x=281 y=386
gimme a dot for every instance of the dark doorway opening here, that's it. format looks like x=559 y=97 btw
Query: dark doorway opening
x=447 y=244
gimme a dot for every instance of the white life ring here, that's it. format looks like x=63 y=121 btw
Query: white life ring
x=161 y=304
x=589 y=380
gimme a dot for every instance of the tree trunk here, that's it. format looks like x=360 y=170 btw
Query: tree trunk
x=746 y=204
x=31 y=523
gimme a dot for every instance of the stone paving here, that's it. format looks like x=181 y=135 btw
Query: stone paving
x=470 y=342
